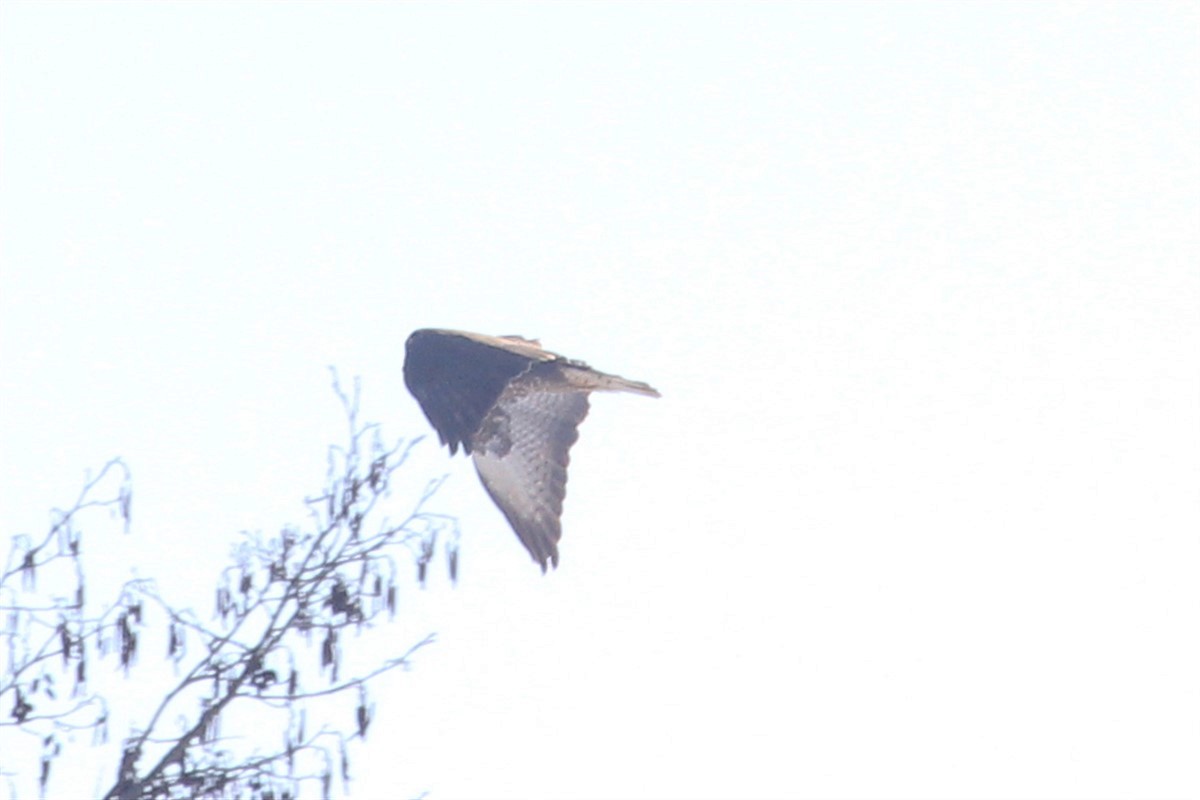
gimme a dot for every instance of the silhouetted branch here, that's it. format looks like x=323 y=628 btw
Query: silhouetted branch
x=274 y=643
x=47 y=633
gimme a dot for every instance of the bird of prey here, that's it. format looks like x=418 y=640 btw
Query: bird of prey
x=515 y=408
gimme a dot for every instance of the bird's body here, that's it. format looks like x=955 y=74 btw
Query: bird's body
x=516 y=409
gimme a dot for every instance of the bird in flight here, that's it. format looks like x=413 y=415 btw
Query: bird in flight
x=515 y=408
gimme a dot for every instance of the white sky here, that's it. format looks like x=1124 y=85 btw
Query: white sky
x=918 y=514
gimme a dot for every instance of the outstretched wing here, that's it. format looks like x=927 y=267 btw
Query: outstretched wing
x=457 y=377
x=521 y=453
x=516 y=409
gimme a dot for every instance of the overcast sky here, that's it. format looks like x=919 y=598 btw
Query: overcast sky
x=918 y=513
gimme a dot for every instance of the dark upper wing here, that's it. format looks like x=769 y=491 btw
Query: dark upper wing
x=457 y=377
x=521 y=453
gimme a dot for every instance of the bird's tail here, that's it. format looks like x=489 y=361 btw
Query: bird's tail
x=619 y=384
x=596 y=381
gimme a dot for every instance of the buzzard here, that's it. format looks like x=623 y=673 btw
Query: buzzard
x=515 y=408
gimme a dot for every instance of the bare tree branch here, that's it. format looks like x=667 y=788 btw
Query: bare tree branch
x=274 y=643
